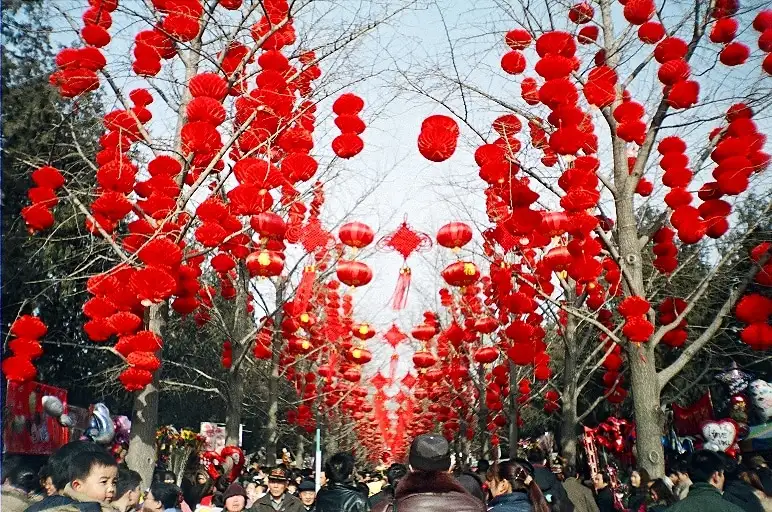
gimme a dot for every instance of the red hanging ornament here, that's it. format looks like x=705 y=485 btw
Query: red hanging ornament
x=405 y=241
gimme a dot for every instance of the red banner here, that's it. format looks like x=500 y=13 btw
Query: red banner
x=28 y=428
x=688 y=420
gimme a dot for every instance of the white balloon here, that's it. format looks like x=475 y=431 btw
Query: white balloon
x=53 y=406
x=761 y=396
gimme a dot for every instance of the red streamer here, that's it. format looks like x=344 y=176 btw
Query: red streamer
x=399 y=298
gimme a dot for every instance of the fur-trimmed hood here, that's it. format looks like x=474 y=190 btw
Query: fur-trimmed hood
x=419 y=482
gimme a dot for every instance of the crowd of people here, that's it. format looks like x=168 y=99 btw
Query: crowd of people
x=84 y=477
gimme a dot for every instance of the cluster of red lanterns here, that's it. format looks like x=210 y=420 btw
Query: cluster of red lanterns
x=96 y=21
x=438 y=138
x=667 y=311
x=347 y=108
x=76 y=70
x=665 y=250
x=755 y=309
x=39 y=215
x=634 y=310
x=725 y=30
x=763 y=23
x=25 y=347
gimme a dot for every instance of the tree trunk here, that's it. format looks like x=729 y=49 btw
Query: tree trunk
x=235 y=404
x=300 y=451
x=569 y=397
x=482 y=414
x=513 y=430
x=648 y=415
x=272 y=425
x=144 y=418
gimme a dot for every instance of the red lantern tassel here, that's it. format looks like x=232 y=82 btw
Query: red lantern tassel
x=399 y=299
x=305 y=287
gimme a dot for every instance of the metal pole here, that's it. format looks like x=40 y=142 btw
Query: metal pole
x=318 y=459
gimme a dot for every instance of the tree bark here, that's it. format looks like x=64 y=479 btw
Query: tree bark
x=144 y=418
x=513 y=430
x=482 y=414
x=235 y=404
x=648 y=414
x=569 y=397
x=300 y=451
x=272 y=425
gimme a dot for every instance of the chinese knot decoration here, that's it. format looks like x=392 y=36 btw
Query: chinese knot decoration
x=405 y=241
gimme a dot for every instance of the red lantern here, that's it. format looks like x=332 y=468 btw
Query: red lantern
x=424 y=359
x=356 y=234
x=486 y=355
x=423 y=332
x=354 y=273
x=363 y=331
x=269 y=225
x=360 y=355
x=454 y=235
x=265 y=263
x=461 y=273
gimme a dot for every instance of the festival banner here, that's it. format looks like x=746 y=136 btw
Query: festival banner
x=29 y=429
x=688 y=420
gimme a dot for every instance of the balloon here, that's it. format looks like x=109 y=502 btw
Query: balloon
x=233 y=461
x=761 y=395
x=101 y=429
x=66 y=421
x=122 y=426
x=736 y=379
x=722 y=434
x=52 y=406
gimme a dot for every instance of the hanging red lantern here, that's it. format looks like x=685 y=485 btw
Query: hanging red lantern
x=454 y=235
x=438 y=138
x=269 y=225
x=424 y=359
x=486 y=325
x=363 y=331
x=265 y=263
x=356 y=234
x=423 y=332
x=353 y=273
x=360 y=355
x=486 y=355
x=461 y=273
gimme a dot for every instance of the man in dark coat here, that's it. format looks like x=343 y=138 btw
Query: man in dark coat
x=341 y=494
x=735 y=489
x=548 y=483
x=429 y=487
x=706 y=471
x=278 y=499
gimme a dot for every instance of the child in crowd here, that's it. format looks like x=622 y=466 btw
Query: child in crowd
x=93 y=477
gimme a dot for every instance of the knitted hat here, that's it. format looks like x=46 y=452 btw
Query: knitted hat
x=429 y=452
x=234 y=489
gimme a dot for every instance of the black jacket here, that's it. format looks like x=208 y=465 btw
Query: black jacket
x=338 y=497
x=386 y=493
x=605 y=499
x=742 y=495
x=552 y=488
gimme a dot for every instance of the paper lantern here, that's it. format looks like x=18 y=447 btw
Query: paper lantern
x=353 y=273
x=461 y=273
x=265 y=263
x=734 y=54
x=638 y=12
x=356 y=234
x=651 y=32
x=347 y=145
x=518 y=39
x=486 y=355
x=454 y=235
